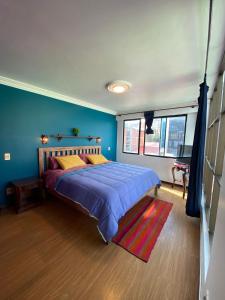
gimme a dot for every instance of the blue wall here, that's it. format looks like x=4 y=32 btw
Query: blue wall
x=24 y=116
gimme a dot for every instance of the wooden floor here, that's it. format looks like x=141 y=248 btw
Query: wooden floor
x=53 y=252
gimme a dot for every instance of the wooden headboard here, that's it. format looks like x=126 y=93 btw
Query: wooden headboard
x=44 y=153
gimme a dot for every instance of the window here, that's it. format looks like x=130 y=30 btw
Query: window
x=175 y=134
x=169 y=133
x=131 y=135
x=152 y=141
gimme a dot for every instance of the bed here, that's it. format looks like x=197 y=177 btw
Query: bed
x=105 y=192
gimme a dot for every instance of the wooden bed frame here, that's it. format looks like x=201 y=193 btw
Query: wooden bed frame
x=45 y=153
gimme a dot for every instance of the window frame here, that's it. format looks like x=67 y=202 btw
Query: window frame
x=139 y=134
x=167 y=116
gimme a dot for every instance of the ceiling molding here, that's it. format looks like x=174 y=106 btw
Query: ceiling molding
x=40 y=91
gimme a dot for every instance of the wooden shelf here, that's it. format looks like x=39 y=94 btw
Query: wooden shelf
x=217 y=177
x=59 y=137
x=213 y=122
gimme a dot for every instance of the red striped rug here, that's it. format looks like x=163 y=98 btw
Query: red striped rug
x=141 y=226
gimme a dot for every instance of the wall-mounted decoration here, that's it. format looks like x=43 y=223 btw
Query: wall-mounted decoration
x=98 y=140
x=75 y=131
x=59 y=137
x=44 y=139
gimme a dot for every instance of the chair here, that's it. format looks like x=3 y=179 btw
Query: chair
x=182 y=164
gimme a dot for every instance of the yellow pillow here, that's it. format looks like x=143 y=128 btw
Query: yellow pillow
x=69 y=161
x=96 y=159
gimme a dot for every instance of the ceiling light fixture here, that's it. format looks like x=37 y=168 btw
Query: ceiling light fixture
x=118 y=86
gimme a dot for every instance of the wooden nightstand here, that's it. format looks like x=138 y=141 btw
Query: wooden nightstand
x=28 y=193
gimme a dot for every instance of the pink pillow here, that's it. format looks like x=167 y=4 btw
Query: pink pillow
x=52 y=163
x=84 y=158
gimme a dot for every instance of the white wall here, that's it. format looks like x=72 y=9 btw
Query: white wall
x=161 y=165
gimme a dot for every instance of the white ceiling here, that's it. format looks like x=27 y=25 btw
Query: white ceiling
x=74 y=47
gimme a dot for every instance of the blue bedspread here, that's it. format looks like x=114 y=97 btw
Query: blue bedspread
x=107 y=191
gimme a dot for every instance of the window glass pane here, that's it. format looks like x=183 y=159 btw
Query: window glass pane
x=131 y=136
x=152 y=141
x=175 y=131
x=163 y=137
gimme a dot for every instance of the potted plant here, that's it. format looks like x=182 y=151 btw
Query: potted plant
x=75 y=131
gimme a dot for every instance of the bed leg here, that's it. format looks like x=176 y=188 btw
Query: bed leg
x=156 y=191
